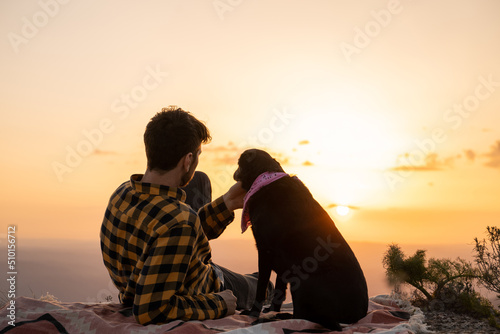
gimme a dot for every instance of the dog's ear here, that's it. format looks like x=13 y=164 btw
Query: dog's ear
x=252 y=163
x=276 y=167
x=244 y=171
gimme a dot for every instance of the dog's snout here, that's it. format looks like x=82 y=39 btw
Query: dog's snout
x=236 y=175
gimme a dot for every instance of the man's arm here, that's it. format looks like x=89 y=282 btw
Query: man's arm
x=216 y=216
x=160 y=294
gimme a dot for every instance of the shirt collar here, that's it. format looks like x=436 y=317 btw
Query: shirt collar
x=156 y=189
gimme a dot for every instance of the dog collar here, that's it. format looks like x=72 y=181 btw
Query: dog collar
x=261 y=181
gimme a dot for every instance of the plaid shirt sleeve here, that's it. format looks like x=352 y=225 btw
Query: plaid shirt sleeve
x=161 y=295
x=215 y=217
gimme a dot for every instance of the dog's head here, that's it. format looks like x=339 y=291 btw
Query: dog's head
x=251 y=164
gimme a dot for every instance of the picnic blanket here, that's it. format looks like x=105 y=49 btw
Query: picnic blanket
x=385 y=315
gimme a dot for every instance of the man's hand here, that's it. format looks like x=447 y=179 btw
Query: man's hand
x=230 y=301
x=234 y=197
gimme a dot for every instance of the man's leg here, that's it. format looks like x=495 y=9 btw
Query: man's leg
x=198 y=191
x=244 y=287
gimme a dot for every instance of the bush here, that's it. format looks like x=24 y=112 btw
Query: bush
x=439 y=284
x=488 y=259
x=428 y=278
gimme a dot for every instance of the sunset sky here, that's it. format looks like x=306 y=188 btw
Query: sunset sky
x=391 y=107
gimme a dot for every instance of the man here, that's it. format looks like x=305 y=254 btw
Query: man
x=155 y=246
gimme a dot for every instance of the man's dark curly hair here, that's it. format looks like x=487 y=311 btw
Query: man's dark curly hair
x=170 y=135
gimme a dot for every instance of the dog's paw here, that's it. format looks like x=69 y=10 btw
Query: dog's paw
x=273 y=317
x=272 y=308
x=283 y=316
x=251 y=313
x=262 y=320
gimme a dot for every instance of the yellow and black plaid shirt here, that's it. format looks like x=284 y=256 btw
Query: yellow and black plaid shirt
x=156 y=250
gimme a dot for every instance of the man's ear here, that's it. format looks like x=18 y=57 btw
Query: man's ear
x=187 y=160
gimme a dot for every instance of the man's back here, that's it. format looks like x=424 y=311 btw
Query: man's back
x=157 y=253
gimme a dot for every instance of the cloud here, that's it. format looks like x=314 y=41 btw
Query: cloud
x=470 y=155
x=223 y=154
x=230 y=147
x=226 y=159
x=334 y=205
x=431 y=163
x=450 y=161
x=102 y=152
x=282 y=159
x=494 y=156
x=230 y=153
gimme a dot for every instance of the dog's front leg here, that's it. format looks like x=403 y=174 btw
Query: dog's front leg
x=279 y=295
x=262 y=283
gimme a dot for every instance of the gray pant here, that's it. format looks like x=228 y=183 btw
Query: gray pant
x=244 y=287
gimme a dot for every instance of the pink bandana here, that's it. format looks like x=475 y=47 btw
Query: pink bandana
x=262 y=180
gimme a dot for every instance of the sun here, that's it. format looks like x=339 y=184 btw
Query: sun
x=342 y=210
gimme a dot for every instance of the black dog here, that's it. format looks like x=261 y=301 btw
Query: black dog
x=297 y=239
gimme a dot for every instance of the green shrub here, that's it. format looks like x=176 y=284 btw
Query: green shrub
x=488 y=259
x=439 y=284
x=429 y=278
